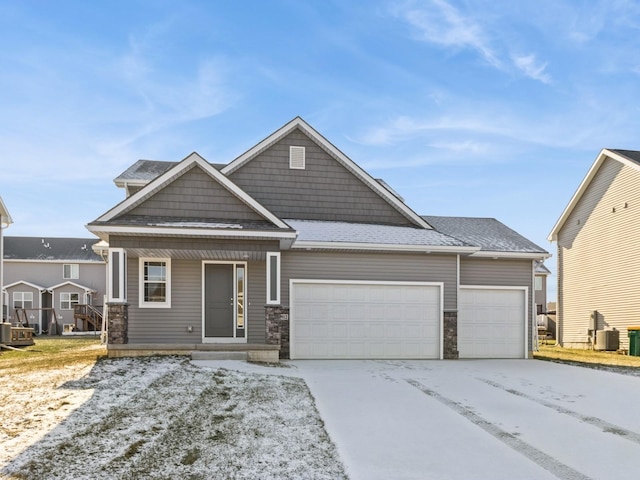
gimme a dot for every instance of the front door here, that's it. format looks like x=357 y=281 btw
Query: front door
x=224 y=295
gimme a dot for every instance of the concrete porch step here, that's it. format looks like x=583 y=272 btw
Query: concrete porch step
x=219 y=355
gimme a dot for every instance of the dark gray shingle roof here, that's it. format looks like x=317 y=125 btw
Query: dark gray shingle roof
x=630 y=154
x=339 y=232
x=487 y=233
x=187 y=222
x=50 y=248
x=147 y=170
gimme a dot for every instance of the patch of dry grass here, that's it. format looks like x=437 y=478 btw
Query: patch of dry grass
x=52 y=353
x=553 y=352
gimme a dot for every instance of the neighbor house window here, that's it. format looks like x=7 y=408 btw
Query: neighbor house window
x=70 y=271
x=22 y=299
x=68 y=300
x=538 y=282
x=155 y=282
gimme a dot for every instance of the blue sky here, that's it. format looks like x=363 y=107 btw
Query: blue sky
x=466 y=108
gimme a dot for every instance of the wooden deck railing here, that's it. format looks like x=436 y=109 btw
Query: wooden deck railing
x=89 y=315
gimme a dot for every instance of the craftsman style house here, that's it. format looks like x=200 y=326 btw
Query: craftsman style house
x=293 y=249
x=598 y=262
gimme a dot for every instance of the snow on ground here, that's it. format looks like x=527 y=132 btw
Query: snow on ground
x=163 y=418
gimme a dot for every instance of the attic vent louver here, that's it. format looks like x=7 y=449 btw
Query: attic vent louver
x=296 y=157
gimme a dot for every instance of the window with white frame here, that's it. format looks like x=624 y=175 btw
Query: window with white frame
x=273 y=278
x=68 y=300
x=117 y=275
x=70 y=271
x=155 y=283
x=22 y=299
x=538 y=283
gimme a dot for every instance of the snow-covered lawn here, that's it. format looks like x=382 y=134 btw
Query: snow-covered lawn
x=161 y=418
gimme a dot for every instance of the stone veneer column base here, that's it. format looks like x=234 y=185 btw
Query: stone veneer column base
x=450 y=332
x=118 y=327
x=277 y=325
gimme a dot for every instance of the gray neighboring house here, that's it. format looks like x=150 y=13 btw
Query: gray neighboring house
x=49 y=274
x=293 y=250
x=5 y=221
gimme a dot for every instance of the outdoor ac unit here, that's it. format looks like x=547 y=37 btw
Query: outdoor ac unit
x=608 y=340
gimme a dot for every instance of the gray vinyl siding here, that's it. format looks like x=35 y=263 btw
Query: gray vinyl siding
x=169 y=325
x=501 y=273
x=195 y=195
x=47 y=274
x=598 y=261
x=161 y=244
x=370 y=266
x=324 y=190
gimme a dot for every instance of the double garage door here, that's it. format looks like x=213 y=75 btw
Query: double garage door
x=378 y=320
x=333 y=319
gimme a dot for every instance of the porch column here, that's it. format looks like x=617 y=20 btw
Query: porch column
x=118 y=323
x=450 y=333
x=277 y=325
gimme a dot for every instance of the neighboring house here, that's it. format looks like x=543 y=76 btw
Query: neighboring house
x=292 y=247
x=5 y=221
x=47 y=275
x=598 y=236
x=541 y=274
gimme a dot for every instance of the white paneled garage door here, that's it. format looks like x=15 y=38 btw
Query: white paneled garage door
x=338 y=319
x=491 y=322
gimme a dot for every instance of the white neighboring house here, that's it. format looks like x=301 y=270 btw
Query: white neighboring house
x=5 y=221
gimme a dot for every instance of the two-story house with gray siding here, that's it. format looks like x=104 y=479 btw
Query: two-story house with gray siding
x=598 y=263
x=47 y=275
x=292 y=249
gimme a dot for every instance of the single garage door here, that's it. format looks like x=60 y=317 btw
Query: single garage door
x=338 y=319
x=491 y=322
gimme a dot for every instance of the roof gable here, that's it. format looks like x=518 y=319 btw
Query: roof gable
x=629 y=158
x=5 y=218
x=70 y=284
x=242 y=200
x=23 y=282
x=369 y=183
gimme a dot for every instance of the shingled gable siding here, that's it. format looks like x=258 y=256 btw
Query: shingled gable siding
x=169 y=326
x=324 y=190
x=195 y=195
x=598 y=264
x=500 y=272
x=371 y=266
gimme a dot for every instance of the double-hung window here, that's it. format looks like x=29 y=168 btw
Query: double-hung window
x=22 y=299
x=68 y=300
x=70 y=271
x=155 y=283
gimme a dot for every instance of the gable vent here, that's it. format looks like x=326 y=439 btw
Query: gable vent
x=296 y=157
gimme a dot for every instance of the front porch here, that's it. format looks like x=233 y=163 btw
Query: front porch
x=200 y=351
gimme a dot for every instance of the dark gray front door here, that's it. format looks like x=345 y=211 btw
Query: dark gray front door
x=218 y=300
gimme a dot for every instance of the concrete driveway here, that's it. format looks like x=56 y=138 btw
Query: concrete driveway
x=482 y=419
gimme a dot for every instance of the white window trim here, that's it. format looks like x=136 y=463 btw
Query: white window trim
x=22 y=299
x=141 y=302
x=69 y=301
x=537 y=281
x=74 y=271
x=277 y=285
x=122 y=297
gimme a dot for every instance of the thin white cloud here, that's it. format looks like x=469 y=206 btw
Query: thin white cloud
x=531 y=67
x=441 y=23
